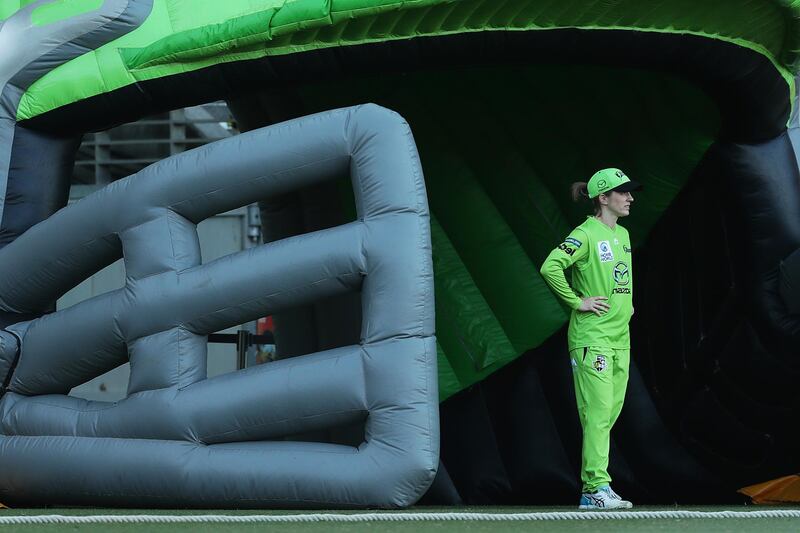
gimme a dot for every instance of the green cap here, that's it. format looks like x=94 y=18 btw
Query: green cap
x=610 y=179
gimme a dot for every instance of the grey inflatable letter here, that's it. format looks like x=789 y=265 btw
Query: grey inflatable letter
x=180 y=439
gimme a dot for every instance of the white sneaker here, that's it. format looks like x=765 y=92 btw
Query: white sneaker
x=603 y=499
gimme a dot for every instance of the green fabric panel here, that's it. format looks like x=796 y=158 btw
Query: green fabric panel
x=235 y=35
x=355 y=5
x=507 y=286
x=630 y=128
x=82 y=77
x=62 y=9
x=769 y=27
x=506 y=277
x=499 y=264
x=189 y=45
x=507 y=162
x=498 y=168
x=473 y=335
x=508 y=280
x=343 y=10
x=508 y=177
x=193 y=14
x=301 y=15
x=234 y=38
x=470 y=342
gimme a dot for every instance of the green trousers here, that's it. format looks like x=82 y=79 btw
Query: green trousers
x=601 y=377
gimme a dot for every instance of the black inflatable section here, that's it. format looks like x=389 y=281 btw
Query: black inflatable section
x=38 y=179
x=716 y=341
x=470 y=450
x=39 y=176
x=543 y=464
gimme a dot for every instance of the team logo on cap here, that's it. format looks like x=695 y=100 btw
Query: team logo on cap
x=620 y=174
x=601 y=184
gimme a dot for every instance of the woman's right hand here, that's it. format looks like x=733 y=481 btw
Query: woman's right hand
x=594 y=304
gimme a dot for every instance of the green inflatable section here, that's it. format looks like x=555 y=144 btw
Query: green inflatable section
x=499 y=145
x=181 y=36
x=498 y=170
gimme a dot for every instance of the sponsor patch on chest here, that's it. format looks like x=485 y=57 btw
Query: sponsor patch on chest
x=605 y=252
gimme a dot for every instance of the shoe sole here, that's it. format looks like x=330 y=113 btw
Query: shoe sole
x=593 y=508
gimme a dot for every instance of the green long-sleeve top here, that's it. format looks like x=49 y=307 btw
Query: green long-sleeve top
x=601 y=261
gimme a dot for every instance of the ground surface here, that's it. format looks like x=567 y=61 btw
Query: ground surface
x=770 y=525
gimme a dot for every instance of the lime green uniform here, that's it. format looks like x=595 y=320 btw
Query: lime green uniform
x=599 y=345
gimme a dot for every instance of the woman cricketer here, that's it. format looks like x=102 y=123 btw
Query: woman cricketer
x=601 y=296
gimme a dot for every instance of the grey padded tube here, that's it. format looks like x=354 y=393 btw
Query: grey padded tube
x=180 y=439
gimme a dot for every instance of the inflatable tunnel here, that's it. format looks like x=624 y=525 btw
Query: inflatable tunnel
x=509 y=102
